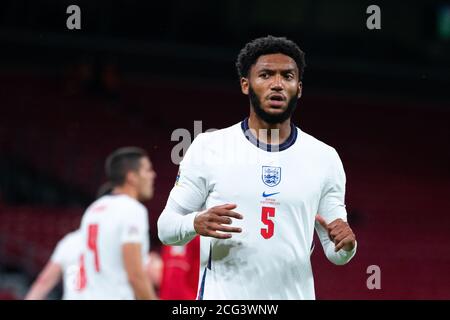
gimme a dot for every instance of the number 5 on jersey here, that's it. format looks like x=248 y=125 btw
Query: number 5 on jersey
x=266 y=214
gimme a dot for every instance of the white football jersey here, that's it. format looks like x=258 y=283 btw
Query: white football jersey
x=67 y=254
x=278 y=192
x=108 y=224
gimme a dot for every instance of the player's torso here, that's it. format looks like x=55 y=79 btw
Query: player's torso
x=102 y=230
x=72 y=245
x=278 y=194
x=71 y=282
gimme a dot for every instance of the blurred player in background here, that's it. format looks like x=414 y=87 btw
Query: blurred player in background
x=64 y=263
x=275 y=175
x=115 y=230
x=180 y=271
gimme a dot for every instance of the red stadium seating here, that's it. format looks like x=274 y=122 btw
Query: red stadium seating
x=395 y=154
x=30 y=234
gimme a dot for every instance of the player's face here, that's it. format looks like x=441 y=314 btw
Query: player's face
x=146 y=177
x=273 y=87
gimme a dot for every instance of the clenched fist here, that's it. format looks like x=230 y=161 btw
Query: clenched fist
x=339 y=232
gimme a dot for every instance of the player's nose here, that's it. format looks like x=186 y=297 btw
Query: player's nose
x=277 y=83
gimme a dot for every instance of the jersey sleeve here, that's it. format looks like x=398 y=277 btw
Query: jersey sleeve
x=191 y=187
x=135 y=225
x=332 y=207
x=332 y=201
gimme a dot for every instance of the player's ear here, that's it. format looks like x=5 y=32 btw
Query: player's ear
x=132 y=177
x=300 y=87
x=244 y=85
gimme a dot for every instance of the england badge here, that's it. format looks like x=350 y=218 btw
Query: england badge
x=271 y=176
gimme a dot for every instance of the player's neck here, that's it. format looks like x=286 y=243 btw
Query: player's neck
x=269 y=133
x=127 y=190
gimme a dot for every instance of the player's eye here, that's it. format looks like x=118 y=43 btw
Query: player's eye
x=264 y=75
x=289 y=76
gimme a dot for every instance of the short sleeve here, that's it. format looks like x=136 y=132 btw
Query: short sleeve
x=332 y=201
x=135 y=225
x=191 y=187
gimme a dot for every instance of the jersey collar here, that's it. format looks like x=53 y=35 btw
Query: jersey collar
x=267 y=147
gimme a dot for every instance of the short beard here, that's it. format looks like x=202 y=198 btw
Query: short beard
x=267 y=117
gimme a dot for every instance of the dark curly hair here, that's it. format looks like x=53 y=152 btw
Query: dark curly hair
x=268 y=45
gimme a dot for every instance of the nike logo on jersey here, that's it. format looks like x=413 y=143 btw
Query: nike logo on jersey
x=265 y=195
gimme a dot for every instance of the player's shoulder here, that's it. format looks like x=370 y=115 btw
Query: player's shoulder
x=129 y=203
x=315 y=145
x=74 y=235
x=210 y=137
x=210 y=143
x=114 y=206
x=71 y=238
x=98 y=204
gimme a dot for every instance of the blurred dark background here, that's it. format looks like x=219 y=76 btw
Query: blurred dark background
x=136 y=71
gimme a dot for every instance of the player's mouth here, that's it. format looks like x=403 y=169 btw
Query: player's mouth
x=276 y=100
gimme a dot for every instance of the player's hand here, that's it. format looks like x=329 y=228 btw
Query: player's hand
x=339 y=232
x=216 y=219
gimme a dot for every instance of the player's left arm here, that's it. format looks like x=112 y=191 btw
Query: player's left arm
x=45 y=282
x=337 y=238
x=137 y=278
x=339 y=232
x=134 y=238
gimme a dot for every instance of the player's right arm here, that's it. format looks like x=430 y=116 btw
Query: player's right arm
x=45 y=282
x=215 y=219
x=51 y=274
x=181 y=219
x=134 y=238
x=132 y=259
x=178 y=226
